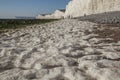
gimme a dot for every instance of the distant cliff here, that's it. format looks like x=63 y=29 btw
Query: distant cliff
x=58 y=14
x=76 y=8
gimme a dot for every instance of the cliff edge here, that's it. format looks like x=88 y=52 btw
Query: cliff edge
x=76 y=8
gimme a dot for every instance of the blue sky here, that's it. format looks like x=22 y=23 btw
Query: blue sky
x=12 y=8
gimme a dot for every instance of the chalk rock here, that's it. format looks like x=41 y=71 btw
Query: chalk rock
x=77 y=8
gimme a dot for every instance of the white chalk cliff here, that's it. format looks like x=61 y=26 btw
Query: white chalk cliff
x=56 y=15
x=77 y=8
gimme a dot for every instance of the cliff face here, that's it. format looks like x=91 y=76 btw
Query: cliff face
x=58 y=14
x=77 y=8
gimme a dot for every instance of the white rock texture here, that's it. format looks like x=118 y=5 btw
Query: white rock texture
x=60 y=50
x=77 y=8
x=40 y=16
x=58 y=14
x=45 y=16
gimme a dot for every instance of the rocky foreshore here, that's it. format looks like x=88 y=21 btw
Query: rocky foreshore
x=68 y=49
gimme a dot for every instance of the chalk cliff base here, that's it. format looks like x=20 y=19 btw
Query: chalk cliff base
x=104 y=18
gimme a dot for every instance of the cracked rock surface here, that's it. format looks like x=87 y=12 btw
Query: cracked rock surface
x=68 y=49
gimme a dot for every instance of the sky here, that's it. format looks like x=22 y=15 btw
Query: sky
x=12 y=8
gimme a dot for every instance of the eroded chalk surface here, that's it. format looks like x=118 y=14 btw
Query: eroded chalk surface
x=63 y=50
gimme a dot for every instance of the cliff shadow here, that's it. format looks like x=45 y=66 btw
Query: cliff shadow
x=103 y=18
